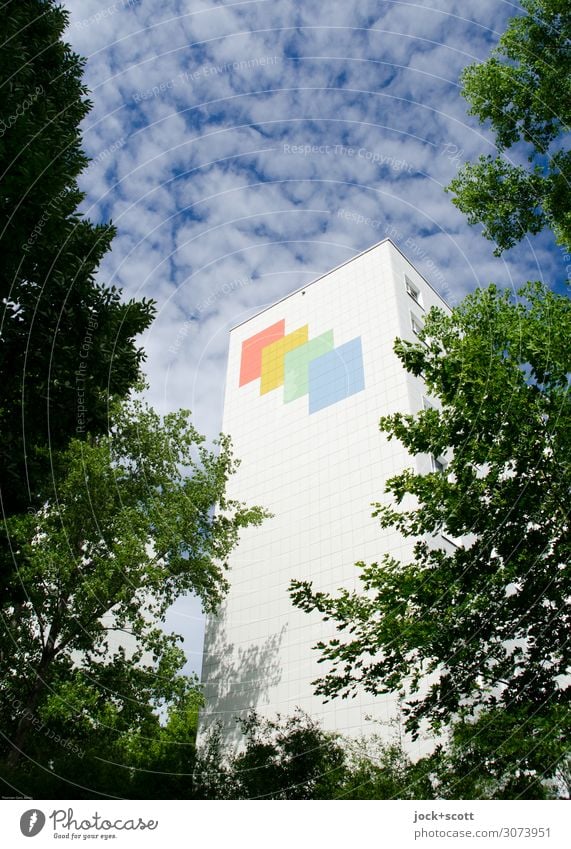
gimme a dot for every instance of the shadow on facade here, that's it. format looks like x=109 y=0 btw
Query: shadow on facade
x=236 y=680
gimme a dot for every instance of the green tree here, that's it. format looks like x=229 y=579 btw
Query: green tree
x=380 y=770
x=67 y=341
x=514 y=754
x=293 y=757
x=524 y=92
x=111 y=739
x=283 y=758
x=482 y=624
x=139 y=518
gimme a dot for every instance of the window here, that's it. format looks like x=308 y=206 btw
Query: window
x=416 y=324
x=412 y=290
x=438 y=464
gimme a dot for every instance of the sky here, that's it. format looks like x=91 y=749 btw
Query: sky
x=243 y=149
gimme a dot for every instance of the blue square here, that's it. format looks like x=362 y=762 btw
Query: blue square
x=336 y=375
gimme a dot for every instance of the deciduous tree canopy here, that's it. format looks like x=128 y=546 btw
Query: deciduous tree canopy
x=523 y=91
x=67 y=341
x=139 y=519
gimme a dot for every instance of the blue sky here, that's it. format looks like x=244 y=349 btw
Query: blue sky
x=243 y=149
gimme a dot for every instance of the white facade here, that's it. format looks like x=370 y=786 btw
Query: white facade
x=306 y=432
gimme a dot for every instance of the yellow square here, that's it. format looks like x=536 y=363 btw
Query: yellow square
x=273 y=366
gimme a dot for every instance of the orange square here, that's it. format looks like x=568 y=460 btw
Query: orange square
x=251 y=363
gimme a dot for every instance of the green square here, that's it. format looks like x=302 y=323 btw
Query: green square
x=296 y=378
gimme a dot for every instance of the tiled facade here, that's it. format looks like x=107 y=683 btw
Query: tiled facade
x=307 y=381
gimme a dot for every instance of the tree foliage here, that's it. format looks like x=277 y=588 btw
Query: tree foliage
x=498 y=756
x=282 y=758
x=523 y=91
x=110 y=740
x=293 y=757
x=482 y=624
x=518 y=753
x=139 y=518
x=67 y=341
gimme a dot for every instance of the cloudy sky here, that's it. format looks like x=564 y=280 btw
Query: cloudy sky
x=244 y=148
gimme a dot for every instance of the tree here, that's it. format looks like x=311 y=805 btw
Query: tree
x=293 y=757
x=282 y=758
x=515 y=754
x=483 y=624
x=67 y=341
x=110 y=741
x=524 y=91
x=139 y=518
x=380 y=770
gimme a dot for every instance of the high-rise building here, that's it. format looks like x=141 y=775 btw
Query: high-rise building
x=307 y=380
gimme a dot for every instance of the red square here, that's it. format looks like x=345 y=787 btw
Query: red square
x=251 y=364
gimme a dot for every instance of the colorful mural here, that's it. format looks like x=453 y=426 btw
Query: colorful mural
x=303 y=366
